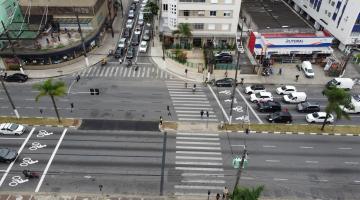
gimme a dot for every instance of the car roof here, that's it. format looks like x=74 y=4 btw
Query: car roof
x=310 y=103
x=265 y=93
x=290 y=86
x=321 y=114
x=143 y=42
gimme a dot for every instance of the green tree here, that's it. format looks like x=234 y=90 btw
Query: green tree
x=48 y=88
x=337 y=97
x=183 y=31
x=244 y=193
x=151 y=9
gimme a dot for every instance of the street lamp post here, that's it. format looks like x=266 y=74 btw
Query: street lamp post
x=10 y=100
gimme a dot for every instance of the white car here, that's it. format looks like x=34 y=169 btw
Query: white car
x=308 y=70
x=286 y=89
x=143 y=47
x=261 y=97
x=129 y=23
x=131 y=14
x=136 y=1
x=254 y=89
x=137 y=30
x=319 y=117
x=121 y=43
x=11 y=129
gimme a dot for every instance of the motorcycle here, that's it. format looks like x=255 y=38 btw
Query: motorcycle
x=30 y=174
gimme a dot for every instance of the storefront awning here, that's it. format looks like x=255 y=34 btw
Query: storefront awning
x=290 y=51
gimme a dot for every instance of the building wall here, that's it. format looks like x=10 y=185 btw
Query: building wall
x=59 y=3
x=336 y=16
x=210 y=17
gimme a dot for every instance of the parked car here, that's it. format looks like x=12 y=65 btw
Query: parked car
x=354 y=107
x=137 y=30
x=307 y=68
x=270 y=106
x=143 y=47
x=133 y=6
x=255 y=89
x=224 y=59
x=119 y=52
x=17 y=77
x=7 y=155
x=344 y=83
x=129 y=23
x=286 y=89
x=122 y=43
x=131 y=14
x=308 y=107
x=11 y=129
x=280 y=117
x=319 y=117
x=295 y=97
x=261 y=97
x=225 y=82
x=222 y=53
x=135 y=40
x=130 y=53
x=146 y=35
x=126 y=33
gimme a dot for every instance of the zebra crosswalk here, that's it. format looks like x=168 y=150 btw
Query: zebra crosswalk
x=188 y=105
x=120 y=71
x=198 y=158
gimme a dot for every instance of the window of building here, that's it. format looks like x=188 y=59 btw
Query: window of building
x=186 y=13
x=211 y=26
x=165 y=7
x=228 y=1
x=212 y=13
x=225 y=27
x=198 y=26
x=214 y=1
x=227 y=13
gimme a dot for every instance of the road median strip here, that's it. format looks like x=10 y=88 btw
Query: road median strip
x=35 y=121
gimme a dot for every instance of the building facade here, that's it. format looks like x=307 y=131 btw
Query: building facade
x=340 y=17
x=214 y=21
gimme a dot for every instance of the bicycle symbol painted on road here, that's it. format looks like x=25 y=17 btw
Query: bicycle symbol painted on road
x=229 y=100
x=43 y=133
x=28 y=161
x=238 y=109
x=15 y=180
x=243 y=118
x=227 y=92
x=36 y=145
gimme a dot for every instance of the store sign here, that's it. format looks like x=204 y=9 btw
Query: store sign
x=294 y=41
x=313 y=41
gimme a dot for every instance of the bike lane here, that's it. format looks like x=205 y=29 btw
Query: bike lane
x=35 y=154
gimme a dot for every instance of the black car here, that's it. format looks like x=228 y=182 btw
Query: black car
x=308 y=107
x=7 y=155
x=224 y=59
x=280 y=117
x=17 y=77
x=133 y=6
x=225 y=82
x=135 y=40
x=119 y=52
x=130 y=53
x=269 y=106
x=126 y=33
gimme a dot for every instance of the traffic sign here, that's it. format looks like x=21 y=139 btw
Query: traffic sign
x=236 y=163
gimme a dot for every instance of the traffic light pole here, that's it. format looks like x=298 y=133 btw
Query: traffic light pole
x=10 y=100
x=234 y=87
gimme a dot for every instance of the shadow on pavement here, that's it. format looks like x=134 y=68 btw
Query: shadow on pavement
x=98 y=124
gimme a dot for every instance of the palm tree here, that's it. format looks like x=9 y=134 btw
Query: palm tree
x=48 y=88
x=243 y=193
x=337 y=97
x=183 y=30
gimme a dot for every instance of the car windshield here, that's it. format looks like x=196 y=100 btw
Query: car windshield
x=3 y=152
x=254 y=87
x=258 y=95
x=357 y=97
x=143 y=45
x=13 y=126
x=310 y=71
x=315 y=115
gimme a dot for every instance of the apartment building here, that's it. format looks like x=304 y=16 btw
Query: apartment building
x=211 y=21
x=340 y=17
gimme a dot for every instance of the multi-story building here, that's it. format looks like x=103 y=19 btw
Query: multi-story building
x=214 y=21
x=340 y=17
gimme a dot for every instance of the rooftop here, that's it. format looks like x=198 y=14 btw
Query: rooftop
x=272 y=14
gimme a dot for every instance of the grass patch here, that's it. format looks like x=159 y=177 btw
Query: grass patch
x=310 y=128
x=41 y=121
x=170 y=125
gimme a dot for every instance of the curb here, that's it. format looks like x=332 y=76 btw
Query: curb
x=293 y=133
x=58 y=126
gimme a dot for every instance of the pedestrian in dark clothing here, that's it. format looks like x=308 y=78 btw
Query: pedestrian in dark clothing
x=202 y=113
x=280 y=71
x=185 y=85
x=297 y=77
x=242 y=81
x=217 y=196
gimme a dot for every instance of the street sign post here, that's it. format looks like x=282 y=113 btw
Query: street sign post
x=236 y=163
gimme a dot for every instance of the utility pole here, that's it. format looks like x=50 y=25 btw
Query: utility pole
x=236 y=73
x=163 y=164
x=82 y=39
x=238 y=174
x=10 y=100
x=12 y=47
x=163 y=46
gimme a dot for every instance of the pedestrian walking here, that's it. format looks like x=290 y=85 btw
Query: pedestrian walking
x=71 y=107
x=226 y=74
x=217 y=196
x=297 y=77
x=202 y=113
x=185 y=84
x=225 y=193
x=41 y=111
x=280 y=71
x=161 y=120
x=242 y=81
x=186 y=71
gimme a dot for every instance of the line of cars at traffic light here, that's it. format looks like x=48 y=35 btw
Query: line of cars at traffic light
x=8 y=155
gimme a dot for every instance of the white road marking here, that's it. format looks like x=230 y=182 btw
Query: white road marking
x=194 y=119
x=198 y=187
x=321 y=180
x=187 y=95
x=189 y=147
x=203 y=174
x=199 y=152
x=198 y=163
x=269 y=146
x=356 y=181
x=220 y=105
x=249 y=106
x=29 y=99
x=201 y=143
x=6 y=138
x=3 y=170
x=200 y=169
x=68 y=92
x=189 y=98
x=203 y=181
x=195 y=138
x=344 y=148
x=190 y=108
x=312 y=161
x=190 y=194
x=304 y=147
x=247 y=178
x=198 y=158
x=19 y=152
x=199 y=134
x=272 y=160
x=193 y=104
x=189 y=101
x=50 y=160
x=351 y=163
x=183 y=89
x=280 y=179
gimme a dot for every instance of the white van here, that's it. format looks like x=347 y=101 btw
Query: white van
x=307 y=68
x=355 y=101
x=344 y=83
x=295 y=97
